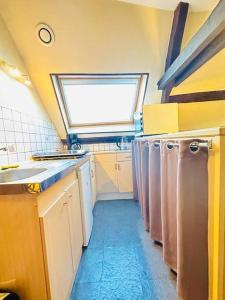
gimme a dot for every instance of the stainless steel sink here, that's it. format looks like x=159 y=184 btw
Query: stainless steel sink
x=19 y=174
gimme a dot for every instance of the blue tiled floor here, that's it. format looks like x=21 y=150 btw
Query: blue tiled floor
x=121 y=262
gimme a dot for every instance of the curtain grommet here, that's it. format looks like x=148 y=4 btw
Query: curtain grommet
x=169 y=146
x=156 y=145
x=194 y=147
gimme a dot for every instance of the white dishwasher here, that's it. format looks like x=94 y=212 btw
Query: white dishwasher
x=86 y=200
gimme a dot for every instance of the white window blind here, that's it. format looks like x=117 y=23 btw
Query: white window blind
x=92 y=101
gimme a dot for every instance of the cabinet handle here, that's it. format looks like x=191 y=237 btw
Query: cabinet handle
x=118 y=166
x=70 y=195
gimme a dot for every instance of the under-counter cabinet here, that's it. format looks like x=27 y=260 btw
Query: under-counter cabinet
x=57 y=247
x=114 y=175
x=41 y=241
x=76 y=232
x=124 y=172
x=106 y=173
x=93 y=178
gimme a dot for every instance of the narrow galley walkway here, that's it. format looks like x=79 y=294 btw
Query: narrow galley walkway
x=121 y=262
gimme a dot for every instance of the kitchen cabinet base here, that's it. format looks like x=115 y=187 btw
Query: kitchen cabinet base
x=114 y=196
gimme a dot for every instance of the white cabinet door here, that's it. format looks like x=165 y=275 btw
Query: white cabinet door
x=125 y=181
x=106 y=173
x=56 y=235
x=86 y=200
x=75 y=223
x=93 y=179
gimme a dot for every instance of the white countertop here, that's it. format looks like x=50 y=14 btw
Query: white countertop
x=53 y=171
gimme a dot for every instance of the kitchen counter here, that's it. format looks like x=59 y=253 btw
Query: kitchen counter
x=55 y=170
x=111 y=151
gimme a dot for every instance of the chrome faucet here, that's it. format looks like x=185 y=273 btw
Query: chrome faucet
x=3 y=149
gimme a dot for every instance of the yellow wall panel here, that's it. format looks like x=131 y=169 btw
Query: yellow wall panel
x=173 y=117
x=160 y=118
x=199 y=115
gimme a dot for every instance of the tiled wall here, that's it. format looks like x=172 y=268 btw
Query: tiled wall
x=24 y=135
x=101 y=147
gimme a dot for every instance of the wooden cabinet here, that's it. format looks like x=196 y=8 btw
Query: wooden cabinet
x=76 y=235
x=106 y=173
x=63 y=239
x=41 y=241
x=93 y=178
x=124 y=173
x=114 y=175
x=57 y=241
x=124 y=156
x=22 y=267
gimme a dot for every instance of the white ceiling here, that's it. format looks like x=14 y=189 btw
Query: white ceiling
x=195 y=5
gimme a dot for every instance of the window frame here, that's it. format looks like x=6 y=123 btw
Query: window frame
x=57 y=79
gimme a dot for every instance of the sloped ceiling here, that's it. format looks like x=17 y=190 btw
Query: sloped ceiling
x=91 y=36
x=195 y=5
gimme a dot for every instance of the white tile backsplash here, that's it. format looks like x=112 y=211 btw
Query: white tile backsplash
x=100 y=147
x=23 y=135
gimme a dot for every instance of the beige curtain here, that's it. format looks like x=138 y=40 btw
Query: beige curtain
x=144 y=182
x=172 y=188
x=137 y=157
x=169 y=162
x=140 y=152
x=134 y=171
x=192 y=215
x=155 y=227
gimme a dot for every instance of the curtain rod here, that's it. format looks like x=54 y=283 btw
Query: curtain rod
x=170 y=145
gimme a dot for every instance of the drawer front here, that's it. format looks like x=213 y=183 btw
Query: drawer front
x=105 y=157
x=124 y=156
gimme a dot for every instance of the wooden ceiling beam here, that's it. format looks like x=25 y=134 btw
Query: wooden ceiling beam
x=207 y=34
x=202 y=58
x=177 y=32
x=166 y=93
x=198 y=97
x=176 y=37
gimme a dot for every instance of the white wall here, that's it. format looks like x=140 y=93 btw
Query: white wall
x=92 y=36
x=14 y=94
x=24 y=124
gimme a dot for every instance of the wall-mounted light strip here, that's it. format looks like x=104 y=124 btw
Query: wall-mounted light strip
x=15 y=73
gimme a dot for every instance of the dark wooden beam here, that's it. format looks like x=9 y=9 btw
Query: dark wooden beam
x=176 y=37
x=177 y=32
x=202 y=58
x=209 y=34
x=198 y=97
x=166 y=93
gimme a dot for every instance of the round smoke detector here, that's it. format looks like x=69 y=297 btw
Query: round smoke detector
x=45 y=34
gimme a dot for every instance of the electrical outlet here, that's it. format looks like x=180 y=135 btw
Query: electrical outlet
x=11 y=148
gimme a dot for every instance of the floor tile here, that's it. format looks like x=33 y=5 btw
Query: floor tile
x=121 y=262
x=164 y=289
x=86 y=291
x=91 y=265
x=120 y=238
x=121 y=290
x=152 y=264
x=97 y=236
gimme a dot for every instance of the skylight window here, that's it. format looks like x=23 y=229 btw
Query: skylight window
x=99 y=103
